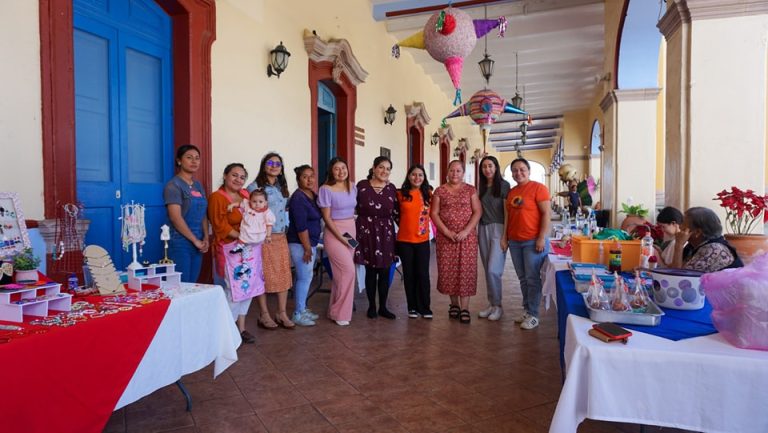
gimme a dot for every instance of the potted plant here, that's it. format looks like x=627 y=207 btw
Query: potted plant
x=25 y=265
x=636 y=216
x=744 y=211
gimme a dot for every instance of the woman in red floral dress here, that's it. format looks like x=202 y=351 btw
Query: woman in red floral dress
x=456 y=211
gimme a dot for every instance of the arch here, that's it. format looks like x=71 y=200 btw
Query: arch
x=416 y=118
x=333 y=63
x=194 y=30
x=638 y=46
x=538 y=173
x=596 y=141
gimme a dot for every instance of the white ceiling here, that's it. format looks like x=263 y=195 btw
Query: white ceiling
x=560 y=57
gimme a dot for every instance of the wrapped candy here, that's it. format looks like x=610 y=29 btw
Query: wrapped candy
x=639 y=300
x=619 y=301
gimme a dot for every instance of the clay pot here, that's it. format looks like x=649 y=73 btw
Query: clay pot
x=748 y=246
x=632 y=221
x=25 y=276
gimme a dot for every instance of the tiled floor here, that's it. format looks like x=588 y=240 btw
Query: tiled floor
x=406 y=375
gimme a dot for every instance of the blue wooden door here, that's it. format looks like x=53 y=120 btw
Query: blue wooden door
x=123 y=117
x=326 y=129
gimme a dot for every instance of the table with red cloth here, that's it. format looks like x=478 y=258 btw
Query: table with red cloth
x=71 y=379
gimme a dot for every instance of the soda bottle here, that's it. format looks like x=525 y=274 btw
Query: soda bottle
x=646 y=250
x=614 y=257
x=72 y=282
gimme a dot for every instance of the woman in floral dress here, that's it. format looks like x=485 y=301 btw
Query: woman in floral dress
x=376 y=199
x=456 y=211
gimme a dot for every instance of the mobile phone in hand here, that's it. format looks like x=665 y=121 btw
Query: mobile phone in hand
x=350 y=240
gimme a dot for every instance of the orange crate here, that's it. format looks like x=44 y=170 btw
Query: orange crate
x=585 y=250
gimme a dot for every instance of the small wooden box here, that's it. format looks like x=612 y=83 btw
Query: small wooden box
x=585 y=250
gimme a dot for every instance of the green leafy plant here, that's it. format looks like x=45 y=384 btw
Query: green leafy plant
x=26 y=261
x=636 y=209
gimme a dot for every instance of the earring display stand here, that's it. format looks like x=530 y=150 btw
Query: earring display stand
x=163 y=276
x=102 y=271
x=33 y=301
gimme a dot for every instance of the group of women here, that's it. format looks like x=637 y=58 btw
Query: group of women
x=360 y=230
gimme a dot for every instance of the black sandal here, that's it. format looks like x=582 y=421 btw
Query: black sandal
x=465 y=317
x=453 y=311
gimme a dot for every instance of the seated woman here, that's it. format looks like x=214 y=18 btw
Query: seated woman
x=706 y=249
x=670 y=219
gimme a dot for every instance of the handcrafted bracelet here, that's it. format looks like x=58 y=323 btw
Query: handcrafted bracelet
x=96 y=315
x=89 y=311
x=125 y=308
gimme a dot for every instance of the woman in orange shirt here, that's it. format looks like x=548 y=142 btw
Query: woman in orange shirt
x=525 y=233
x=413 y=240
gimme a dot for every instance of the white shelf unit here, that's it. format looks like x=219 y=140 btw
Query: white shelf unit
x=163 y=276
x=13 y=312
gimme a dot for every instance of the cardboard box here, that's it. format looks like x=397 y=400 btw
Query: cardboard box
x=585 y=250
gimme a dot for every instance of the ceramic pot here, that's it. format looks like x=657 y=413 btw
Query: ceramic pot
x=632 y=221
x=748 y=246
x=25 y=276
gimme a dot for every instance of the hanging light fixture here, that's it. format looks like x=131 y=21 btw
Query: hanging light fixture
x=278 y=60
x=517 y=100
x=435 y=139
x=486 y=65
x=389 y=115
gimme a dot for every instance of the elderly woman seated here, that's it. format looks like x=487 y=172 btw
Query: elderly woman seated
x=699 y=245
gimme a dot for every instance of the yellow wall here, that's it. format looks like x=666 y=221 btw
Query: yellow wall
x=20 y=105
x=253 y=114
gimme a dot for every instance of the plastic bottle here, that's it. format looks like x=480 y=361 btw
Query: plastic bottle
x=646 y=250
x=600 y=253
x=72 y=283
x=614 y=257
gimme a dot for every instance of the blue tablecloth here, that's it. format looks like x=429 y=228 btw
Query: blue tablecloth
x=675 y=324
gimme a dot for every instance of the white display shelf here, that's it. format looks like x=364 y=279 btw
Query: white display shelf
x=163 y=276
x=13 y=312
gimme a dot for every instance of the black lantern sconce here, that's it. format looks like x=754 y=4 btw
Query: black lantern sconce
x=389 y=115
x=278 y=60
x=435 y=139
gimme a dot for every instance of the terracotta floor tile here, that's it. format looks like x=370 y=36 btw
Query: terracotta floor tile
x=157 y=418
x=349 y=410
x=246 y=424
x=282 y=397
x=210 y=411
x=427 y=418
x=324 y=389
x=379 y=424
x=299 y=419
x=222 y=387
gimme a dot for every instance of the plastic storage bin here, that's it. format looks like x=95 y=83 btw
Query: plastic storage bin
x=585 y=250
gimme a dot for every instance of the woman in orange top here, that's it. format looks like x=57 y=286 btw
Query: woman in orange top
x=525 y=232
x=413 y=240
x=226 y=230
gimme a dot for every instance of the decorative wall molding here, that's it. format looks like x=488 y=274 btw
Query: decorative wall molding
x=446 y=132
x=677 y=14
x=418 y=113
x=339 y=53
x=608 y=100
x=648 y=94
x=711 y=9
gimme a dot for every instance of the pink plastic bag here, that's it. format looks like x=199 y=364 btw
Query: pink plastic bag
x=739 y=299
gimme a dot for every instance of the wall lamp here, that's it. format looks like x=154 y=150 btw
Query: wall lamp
x=278 y=60
x=435 y=139
x=389 y=115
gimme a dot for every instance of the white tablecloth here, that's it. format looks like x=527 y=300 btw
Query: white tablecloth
x=197 y=329
x=552 y=264
x=701 y=384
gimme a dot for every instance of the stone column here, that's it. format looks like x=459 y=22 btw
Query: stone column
x=715 y=99
x=629 y=155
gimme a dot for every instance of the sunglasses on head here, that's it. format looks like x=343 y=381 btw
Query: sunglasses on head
x=271 y=163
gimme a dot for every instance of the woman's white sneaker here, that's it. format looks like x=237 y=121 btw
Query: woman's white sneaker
x=484 y=314
x=496 y=314
x=342 y=322
x=530 y=322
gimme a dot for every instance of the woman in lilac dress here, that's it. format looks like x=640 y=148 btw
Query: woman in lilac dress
x=376 y=204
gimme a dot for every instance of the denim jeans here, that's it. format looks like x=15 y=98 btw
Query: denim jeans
x=187 y=259
x=528 y=268
x=304 y=273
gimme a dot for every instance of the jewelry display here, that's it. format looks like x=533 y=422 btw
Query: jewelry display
x=133 y=230
x=67 y=251
x=39 y=301
x=102 y=270
x=165 y=236
x=13 y=231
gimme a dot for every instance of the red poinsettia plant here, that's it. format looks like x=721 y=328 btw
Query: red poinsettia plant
x=743 y=209
x=656 y=233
